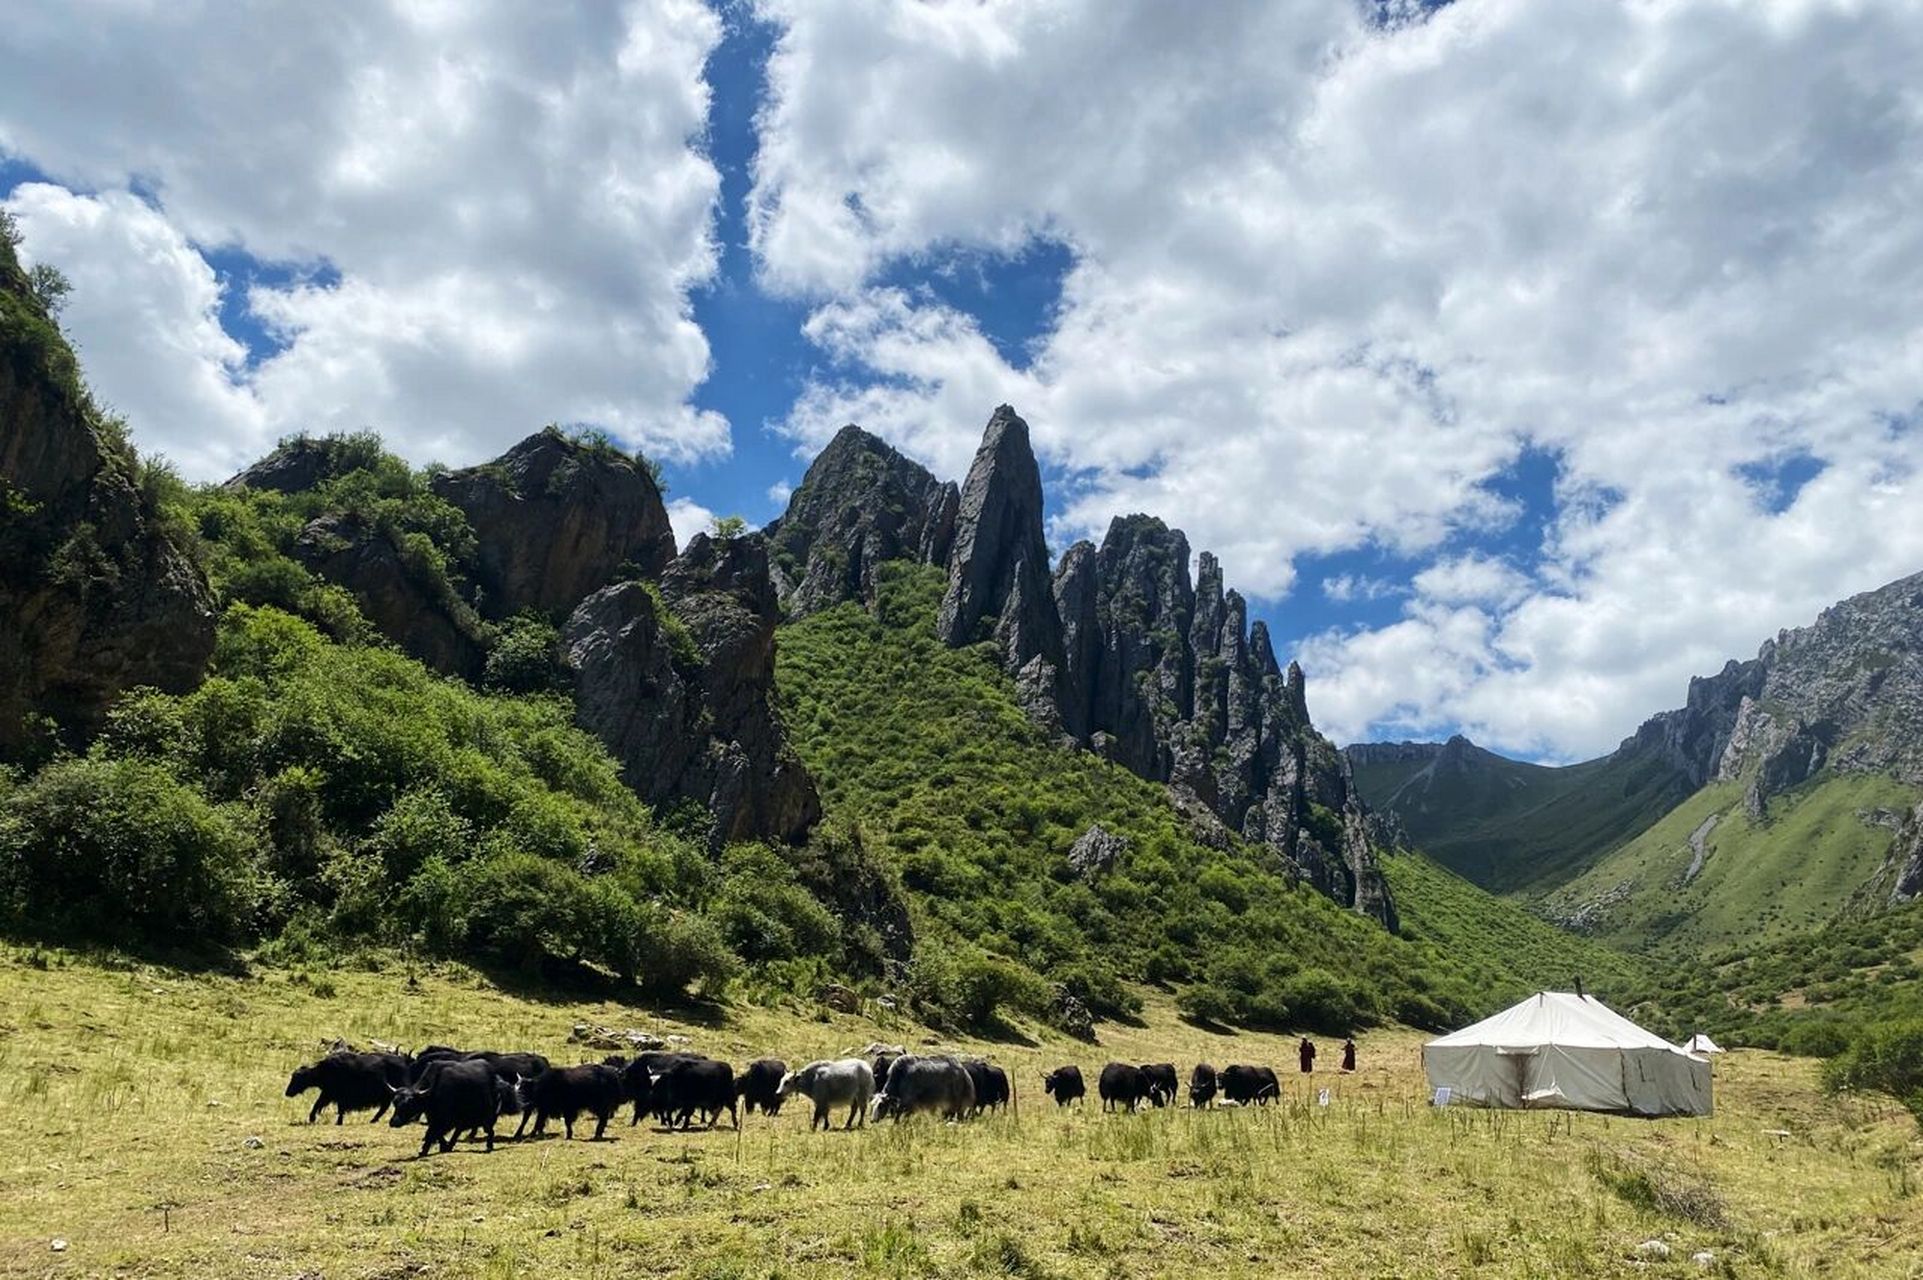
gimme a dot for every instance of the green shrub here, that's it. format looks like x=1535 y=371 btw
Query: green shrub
x=1207 y=1004
x=1885 y=1056
x=526 y=657
x=121 y=850
x=764 y=913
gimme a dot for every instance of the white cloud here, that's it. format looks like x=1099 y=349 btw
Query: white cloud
x=687 y=518
x=1472 y=579
x=1345 y=588
x=1328 y=280
x=146 y=309
x=513 y=197
x=779 y=492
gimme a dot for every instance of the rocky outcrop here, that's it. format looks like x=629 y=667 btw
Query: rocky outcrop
x=1845 y=692
x=1116 y=650
x=678 y=681
x=405 y=599
x=861 y=505
x=1095 y=852
x=303 y=463
x=1692 y=738
x=1169 y=680
x=95 y=595
x=999 y=584
x=554 y=520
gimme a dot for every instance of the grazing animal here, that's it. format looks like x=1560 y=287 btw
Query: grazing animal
x=350 y=1082
x=1162 y=1081
x=940 y=1085
x=453 y=1096
x=848 y=1082
x=419 y=1063
x=1065 y=1085
x=1123 y=1085
x=1201 y=1085
x=509 y=1065
x=566 y=1092
x=759 y=1085
x=1243 y=1084
x=883 y=1061
x=687 y=1087
x=991 y=1084
x=637 y=1081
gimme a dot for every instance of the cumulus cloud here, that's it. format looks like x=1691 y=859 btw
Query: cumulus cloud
x=146 y=309
x=1330 y=278
x=510 y=203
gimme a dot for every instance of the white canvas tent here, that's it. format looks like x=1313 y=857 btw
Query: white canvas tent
x=1701 y=1043
x=1560 y=1050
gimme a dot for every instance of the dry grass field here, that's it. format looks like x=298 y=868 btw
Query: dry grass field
x=128 y=1097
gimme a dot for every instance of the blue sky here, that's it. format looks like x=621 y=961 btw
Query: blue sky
x=1508 y=355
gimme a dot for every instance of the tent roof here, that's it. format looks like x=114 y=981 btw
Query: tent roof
x=1559 y=1018
x=1701 y=1043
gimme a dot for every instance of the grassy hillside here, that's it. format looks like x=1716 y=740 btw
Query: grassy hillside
x=1495 y=941
x=1515 y=827
x=1790 y=872
x=925 y=749
x=1810 y=991
x=132 y=1096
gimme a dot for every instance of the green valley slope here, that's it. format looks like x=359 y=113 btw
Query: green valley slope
x=1508 y=825
x=927 y=751
x=1709 y=872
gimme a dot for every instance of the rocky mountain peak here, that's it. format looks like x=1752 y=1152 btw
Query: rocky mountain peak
x=555 y=519
x=302 y=463
x=861 y=505
x=999 y=584
x=1117 y=649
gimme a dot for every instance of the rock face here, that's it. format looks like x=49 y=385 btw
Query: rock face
x=406 y=602
x=1095 y=851
x=678 y=681
x=1119 y=652
x=861 y=505
x=95 y=596
x=1844 y=693
x=998 y=574
x=554 y=519
x=1169 y=680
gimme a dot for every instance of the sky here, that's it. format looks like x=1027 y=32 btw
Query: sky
x=1518 y=360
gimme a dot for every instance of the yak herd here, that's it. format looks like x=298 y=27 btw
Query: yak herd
x=460 y=1092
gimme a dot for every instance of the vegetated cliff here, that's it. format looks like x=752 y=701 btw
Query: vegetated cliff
x=670 y=659
x=97 y=594
x=860 y=506
x=1115 y=650
x=555 y=519
x=678 y=681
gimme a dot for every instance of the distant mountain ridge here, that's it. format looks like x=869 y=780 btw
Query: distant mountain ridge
x=1509 y=825
x=1804 y=764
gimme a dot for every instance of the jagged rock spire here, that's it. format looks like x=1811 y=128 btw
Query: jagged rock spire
x=998 y=575
x=861 y=505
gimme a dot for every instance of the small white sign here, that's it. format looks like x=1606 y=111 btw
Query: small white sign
x=1441 y=1099
x=1322 y=1098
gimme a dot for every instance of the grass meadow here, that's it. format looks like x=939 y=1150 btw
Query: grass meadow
x=128 y=1095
